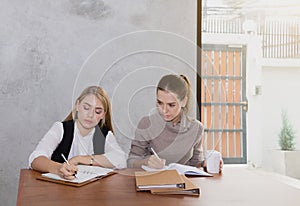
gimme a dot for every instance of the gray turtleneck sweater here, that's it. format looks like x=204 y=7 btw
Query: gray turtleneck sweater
x=180 y=143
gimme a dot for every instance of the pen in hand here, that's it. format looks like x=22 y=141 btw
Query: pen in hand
x=63 y=156
x=156 y=155
x=158 y=163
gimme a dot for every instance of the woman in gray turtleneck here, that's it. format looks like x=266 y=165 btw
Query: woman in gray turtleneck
x=169 y=131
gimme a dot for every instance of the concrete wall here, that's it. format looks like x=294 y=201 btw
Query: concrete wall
x=50 y=50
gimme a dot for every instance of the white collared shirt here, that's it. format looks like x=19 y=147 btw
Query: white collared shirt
x=80 y=146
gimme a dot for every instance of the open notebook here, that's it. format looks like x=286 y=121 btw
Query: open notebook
x=182 y=169
x=85 y=175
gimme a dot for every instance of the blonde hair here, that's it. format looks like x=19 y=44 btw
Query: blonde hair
x=103 y=97
x=177 y=84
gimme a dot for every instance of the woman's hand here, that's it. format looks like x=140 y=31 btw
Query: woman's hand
x=67 y=171
x=221 y=166
x=75 y=160
x=156 y=163
x=203 y=165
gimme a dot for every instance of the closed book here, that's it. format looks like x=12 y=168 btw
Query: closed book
x=158 y=179
x=190 y=189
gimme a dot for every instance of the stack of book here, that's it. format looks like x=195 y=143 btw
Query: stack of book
x=165 y=182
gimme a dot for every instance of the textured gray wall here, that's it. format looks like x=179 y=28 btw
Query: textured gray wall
x=50 y=50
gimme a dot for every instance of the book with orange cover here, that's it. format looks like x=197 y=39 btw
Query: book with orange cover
x=159 y=179
x=190 y=189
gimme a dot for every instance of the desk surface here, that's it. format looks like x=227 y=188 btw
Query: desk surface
x=236 y=186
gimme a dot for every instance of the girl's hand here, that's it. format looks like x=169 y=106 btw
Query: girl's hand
x=156 y=163
x=67 y=171
x=75 y=160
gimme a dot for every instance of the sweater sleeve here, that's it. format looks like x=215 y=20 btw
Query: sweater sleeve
x=139 y=146
x=197 y=148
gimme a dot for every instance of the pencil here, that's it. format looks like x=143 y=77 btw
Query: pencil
x=63 y=156
x=156 y=155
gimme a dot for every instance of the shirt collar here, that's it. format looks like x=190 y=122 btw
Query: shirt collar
x=76 y=130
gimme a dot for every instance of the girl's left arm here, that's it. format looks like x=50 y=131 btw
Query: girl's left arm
x=113 y=157
x=114 y=153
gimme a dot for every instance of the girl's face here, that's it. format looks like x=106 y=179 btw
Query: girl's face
x=169 y=106
x=90 y=112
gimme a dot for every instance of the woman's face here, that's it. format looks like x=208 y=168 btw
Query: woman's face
x=169 y=106
x=90 y=112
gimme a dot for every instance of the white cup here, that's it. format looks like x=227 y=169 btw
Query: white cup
x=213 y=159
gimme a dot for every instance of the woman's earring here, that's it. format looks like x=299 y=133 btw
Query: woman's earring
x=76 y=115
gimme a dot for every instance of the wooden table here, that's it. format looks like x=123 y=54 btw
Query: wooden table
x=236 y=186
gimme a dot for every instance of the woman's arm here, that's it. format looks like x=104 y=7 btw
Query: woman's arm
x=137 y=157
x=48 y=143
x=40 y=158
x=43 y=164
x=114 y=153
x=138 y=154
x=140 y=162
x=197 y=159
x=93 y=160
x=152 y=162
x=113 y=157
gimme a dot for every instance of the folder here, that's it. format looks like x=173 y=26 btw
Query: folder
x=190 y=189
x=159 y=179
x=85 y=175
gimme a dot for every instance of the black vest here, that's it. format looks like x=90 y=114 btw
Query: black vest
x=64 y=146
